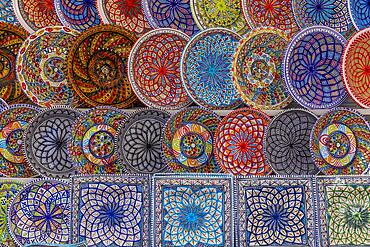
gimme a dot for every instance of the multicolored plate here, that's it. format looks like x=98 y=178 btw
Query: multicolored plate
x=138 y=141
x=13 y=122
x=40 y=213
x=329 y=13
x=238 y=142
x=11 y=39
x=97 y=66
x=356 y=67
x=35 y=14
x=187 y=143
x=287 y=143
x=127 y=13
x=270 y=13
x=206 y=69
x=257 y=69
x=7 y=12
x=312 y=68
x=8 y=189
x=340 y=143
x=91 y=145
x=45 y=142
x=77 y=14
x=154 y=69
x=174 y=14
x=41 y=66
x=360 y=13
x=219 y=13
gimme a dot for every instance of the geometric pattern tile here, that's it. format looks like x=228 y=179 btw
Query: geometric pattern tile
x=344 y=211
x=275 y=211
x=109 y=210
x=192 y=210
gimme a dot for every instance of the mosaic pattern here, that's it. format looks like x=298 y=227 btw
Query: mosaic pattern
x=275 y=212
x=102 y=79
x=3 y=105
x=13 y=122
x=219 y=13
x=257 y=69
x=360 y=13
x=187 y=143
x=139 y=141
x=343 y=211
x=91 y=145
x=206 y=69
x=35 y=14
x=312 y=68
x=77 y=14
x=174 y=14
x=7 y=12
x=329 y=13
x=8 y=190
x=287 y=143
x=355 y=68
x=46 y=145
x=127 y=13
x=270 y=13
x=238 y=144
x=41 y=66
x=11 y=39
x=340 y=143
x=40 y=212
x=56 y=245
x=154 y=69
x=192 y=211
x=111 y=210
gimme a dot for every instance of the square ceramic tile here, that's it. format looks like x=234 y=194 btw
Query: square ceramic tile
x=344 y=211
x=192 y=210
x=111 y=210
x=275 y=211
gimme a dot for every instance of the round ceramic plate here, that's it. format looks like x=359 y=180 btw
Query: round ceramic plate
x=13 y=122
x=356 y=67
x=219 y=13
x=170 y=14
x=127 y=13
x=7 y=13
x=257 y=69
x=11 y=39
x=138 y=141
x=340 y=143
x=238 y=142
x=312 y=68
x=40 y=213
x=77 y=14
x=41 y=66
x=97 y=66
x=206 y=69
x=8 y=190
x=45 y=142
x=187 y=143
x=91 y=144
x=35 y=14
x=154 y=69
x=262 y=13
x=360 y=13
x=329 y=13
x=287 y=143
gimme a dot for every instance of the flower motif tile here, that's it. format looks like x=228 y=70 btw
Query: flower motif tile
x=344 y=211
x=192 y=210
x=275 y=211
x=110 y=210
